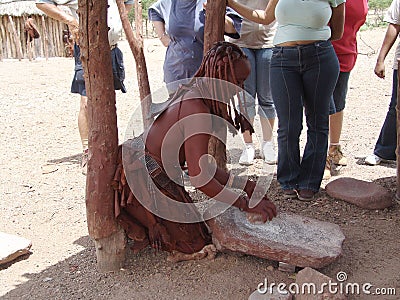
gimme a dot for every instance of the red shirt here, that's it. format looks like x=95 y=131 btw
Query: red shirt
x=346 y=47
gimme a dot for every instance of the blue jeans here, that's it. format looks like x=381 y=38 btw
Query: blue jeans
x=306 y=76
x=387 y=142
x=258 y=83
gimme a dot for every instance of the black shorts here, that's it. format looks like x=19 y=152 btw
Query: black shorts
x=78 y=83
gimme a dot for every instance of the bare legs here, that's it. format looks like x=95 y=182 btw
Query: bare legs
x=335 y=155
x=84 y=132
x=267 y=150
x=266 y=126
x=83 y=122
x=335 y=127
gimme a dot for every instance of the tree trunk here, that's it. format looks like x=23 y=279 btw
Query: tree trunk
x=103 y=136
x=214 y=32
x=139 y=20
x=136 y=45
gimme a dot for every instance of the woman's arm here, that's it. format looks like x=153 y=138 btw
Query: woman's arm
x=159 y=28
x=337 y=22
x=266 y=16
x=56 y=13
x=229 y=28
x=390 y=37
x=206 y=176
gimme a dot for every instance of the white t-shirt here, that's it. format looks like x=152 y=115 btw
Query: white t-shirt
x=303 y=20
x=254 y=35
x=114 y=22
x=393 y=16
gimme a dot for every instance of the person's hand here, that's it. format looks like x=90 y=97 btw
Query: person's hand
x=380 y=69
x=73 y=26
x=265 y=208
x=165 y=39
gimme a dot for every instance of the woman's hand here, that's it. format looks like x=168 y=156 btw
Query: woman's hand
x=165 y=39
x=74 y=29
x=265 y=207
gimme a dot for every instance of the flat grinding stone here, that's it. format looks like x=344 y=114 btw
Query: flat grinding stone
x=289 y=238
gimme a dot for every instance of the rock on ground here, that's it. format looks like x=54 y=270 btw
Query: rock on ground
x=362 y=193
x=12 y=246
x=290 y=238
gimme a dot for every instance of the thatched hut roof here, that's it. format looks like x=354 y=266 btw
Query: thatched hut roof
x=19 y=8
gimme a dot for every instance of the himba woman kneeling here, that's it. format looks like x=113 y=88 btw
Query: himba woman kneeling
x=151 y=203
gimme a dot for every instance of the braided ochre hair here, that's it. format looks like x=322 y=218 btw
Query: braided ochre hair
x=218 y=63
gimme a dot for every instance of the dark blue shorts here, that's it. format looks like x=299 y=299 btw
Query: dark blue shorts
x=338 y=101
x=78 y=83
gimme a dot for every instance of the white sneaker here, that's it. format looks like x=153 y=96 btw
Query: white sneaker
x=373 y=160
x=268 y=153
x=247 y=156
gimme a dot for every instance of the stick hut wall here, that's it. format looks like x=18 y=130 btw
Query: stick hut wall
x=13 y=15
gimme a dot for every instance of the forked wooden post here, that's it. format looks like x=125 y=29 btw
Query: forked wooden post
x=108 y=236
x=214 y=32
x=136 y=45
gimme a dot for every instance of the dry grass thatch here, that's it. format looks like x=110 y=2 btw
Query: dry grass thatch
x=18 y=8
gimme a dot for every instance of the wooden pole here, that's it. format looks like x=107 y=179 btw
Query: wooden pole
x=60 y=39
x=398 y=133
x=52 y=44
x=45 y=38
x=136 y=45
x=8 y=39
x=16 y=39
x=139 y=20
x=108 y=236
x=214 y=32
x=28 y=43
x=3 y=40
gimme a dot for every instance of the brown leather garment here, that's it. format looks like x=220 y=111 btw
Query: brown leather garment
x=140 y=224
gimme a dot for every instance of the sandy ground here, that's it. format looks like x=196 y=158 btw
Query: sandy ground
x=42 y=195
